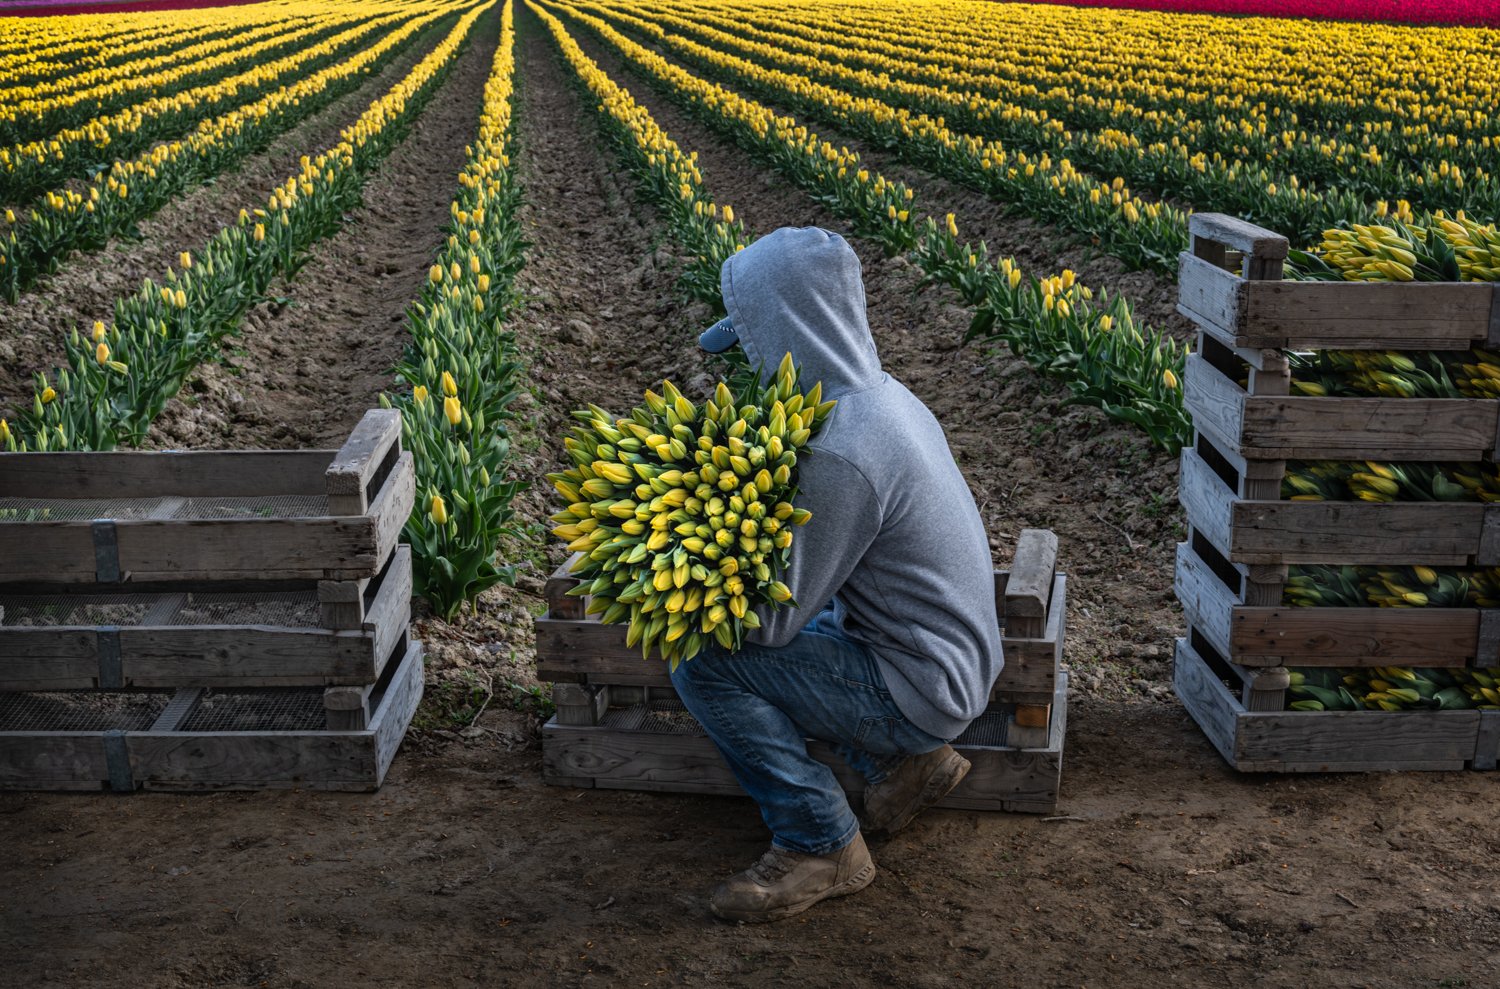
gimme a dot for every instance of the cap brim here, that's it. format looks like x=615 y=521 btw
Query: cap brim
x=719 y=337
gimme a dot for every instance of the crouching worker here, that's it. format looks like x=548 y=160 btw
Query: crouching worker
x=893 y=644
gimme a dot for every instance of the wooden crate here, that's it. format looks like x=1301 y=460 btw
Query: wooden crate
x=1326 y=741
x=1231 y=570
x=620 y=725
x=111 y=518
x=197 y=740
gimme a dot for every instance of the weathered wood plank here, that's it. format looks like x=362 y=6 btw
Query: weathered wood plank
x=363 y=454
x=1208 y=700
x=1207 y=602
x=1365 y=315
x=138 y=474
x=1276 y=636
x=53 y=761
x=243 y=655
x=555 y=591
x=396 y=708
x=1029 y=584
x=391 y=508
x=389 y=617
x=1210 y=296
x=1487 y=744
x=580 y=704
x=1273 y=427
x=1032 y=666
x=1237 y=234
x=1432 y=533
x=1206 y=500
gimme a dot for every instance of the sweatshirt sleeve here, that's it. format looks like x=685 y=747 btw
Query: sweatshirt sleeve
x=845 y=520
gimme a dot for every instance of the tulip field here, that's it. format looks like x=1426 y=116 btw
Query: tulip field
x=241 y=226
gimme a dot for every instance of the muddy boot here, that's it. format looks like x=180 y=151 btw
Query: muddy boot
x=920 y=782
x=784 y=883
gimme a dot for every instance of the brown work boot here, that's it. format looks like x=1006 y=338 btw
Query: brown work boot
x=917 y=784
x=784 y=883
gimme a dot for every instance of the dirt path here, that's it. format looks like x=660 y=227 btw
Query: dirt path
x=306 y=371
x=34 y=329
x=1161 y=867
x=1029 y=459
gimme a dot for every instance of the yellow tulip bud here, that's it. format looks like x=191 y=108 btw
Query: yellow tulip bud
x=48 y=394
x=454 y=271
x=478 y=304
x=438 y=511
x=260 y=232
x=101 y=352
x=728 y=214
x=99 y=330
x=185 y=259
x=436 y=274
x=450 y=387
x=484 y=283
x=1169 y=379
x=181 y=299
x=454 y=410
x=419 y=393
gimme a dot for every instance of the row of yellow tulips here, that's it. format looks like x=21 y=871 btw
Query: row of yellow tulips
x=120 y=376
x=84 y=218
x=463 y=368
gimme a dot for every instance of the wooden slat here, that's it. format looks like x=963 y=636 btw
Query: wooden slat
x=1206 y=500
x=136 y=474
x=1216 y=403
x=555 y=591
x=243 y=655
x=54 y=658
x=1030 y=582
x=1355 y=636
x=580 y=704
x=359 y=459
x=1206 y=601
x=53 y=761
x=1210 y=296
x=1430 y=533
x=397 y=706
x=1236 y=234
x=1487 y=745
x=1366 y=315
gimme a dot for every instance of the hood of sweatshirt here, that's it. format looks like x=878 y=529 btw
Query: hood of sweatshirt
x=798 y=290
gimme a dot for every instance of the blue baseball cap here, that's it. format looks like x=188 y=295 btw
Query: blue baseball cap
x=719 y=337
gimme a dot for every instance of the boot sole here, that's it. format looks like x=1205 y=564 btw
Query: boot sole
x=938 y=786
x=849 y=886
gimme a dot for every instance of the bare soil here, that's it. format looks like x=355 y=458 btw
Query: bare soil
x=1161 y=866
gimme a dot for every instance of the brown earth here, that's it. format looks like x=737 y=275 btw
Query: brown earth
x=1161 y=866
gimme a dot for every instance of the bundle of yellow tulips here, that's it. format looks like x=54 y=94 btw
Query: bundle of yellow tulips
x=682 y=514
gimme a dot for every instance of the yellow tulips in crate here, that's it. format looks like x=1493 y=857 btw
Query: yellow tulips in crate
x=683 y=513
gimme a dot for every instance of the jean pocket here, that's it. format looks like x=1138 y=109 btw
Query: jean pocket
x=877 y=734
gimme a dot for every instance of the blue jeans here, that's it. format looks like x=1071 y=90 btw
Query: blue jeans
x=760 y=705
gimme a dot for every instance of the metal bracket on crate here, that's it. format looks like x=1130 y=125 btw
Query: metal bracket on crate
x=106 y=551
x=108 y=639
x=117 y=761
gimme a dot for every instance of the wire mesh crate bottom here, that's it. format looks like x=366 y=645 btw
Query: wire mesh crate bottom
x=80 y=710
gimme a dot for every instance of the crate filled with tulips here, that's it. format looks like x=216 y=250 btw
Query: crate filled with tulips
x=682 y=518
x=1341 y=572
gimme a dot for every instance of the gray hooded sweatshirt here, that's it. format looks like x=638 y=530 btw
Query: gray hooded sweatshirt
x=894 y=532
